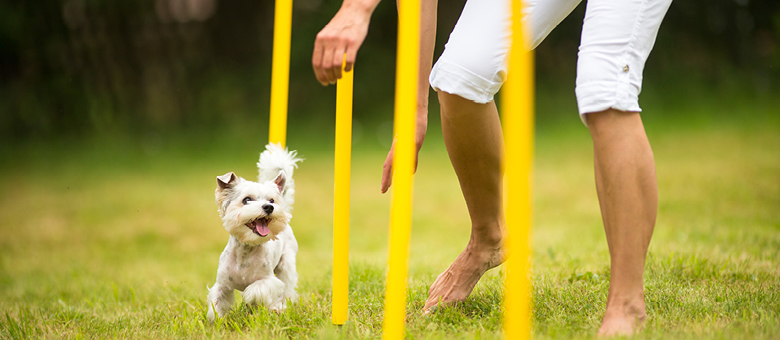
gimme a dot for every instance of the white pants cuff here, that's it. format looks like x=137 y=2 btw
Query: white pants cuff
x=454 y=79
x=600 y=96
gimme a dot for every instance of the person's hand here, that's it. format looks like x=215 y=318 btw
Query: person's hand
x=419 y=138
x=342 y=35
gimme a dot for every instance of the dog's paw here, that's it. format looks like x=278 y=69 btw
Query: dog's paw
x=267 y=292
x=210 y=316
x=279 y=307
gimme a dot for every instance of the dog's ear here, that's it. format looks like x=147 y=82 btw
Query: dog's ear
x=280 y=181
x=227 y=180
x=224 y=184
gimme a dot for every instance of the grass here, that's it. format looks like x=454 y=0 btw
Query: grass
x=118 y=237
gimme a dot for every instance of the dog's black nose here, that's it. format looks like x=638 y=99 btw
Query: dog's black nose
x=268 y=208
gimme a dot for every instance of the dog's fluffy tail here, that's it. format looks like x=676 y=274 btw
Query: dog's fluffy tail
x=276 y=159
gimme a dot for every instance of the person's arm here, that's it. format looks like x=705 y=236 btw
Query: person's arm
x=428 y=20
x=342 y=35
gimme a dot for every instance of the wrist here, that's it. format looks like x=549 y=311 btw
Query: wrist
x=365 y=7
x=420 y=130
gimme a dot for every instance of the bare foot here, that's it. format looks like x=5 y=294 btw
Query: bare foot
x=623 y=319
x=457 y=282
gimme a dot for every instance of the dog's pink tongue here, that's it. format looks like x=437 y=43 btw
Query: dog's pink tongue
x=261 y=226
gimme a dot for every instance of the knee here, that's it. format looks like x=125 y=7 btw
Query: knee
x=475 y=79
x=448 y=100
x=454 y=105
x=612 y=121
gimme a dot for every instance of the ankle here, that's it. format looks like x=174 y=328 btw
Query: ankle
x=627 y=306
x=488 y=236
x=625 y=315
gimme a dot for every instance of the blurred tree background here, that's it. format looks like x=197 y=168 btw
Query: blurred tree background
x=93 y=67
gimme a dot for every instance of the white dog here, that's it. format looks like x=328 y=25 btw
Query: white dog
x=259 y=259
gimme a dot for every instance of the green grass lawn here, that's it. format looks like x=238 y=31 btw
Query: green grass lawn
x=119 y=237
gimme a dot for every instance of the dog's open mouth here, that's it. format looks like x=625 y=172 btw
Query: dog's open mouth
x=259 y=226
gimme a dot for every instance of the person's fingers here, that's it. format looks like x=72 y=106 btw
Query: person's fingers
x=327 y=59
x=387 y=168
x=316 y=61
x=419 y=140
x=417 y=156
x=328 y=42
x=387 y=172
x=322 y=78
x=338 y=60
x=352 y=49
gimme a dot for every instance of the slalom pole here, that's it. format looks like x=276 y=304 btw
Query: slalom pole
x=517 y=110
x=341 y=197
x=280 y=72
x=403 y=166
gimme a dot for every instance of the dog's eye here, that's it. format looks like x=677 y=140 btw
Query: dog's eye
x=271 y=201
x=246 y=200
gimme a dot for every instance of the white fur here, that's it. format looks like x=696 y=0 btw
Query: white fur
x=268 y=292
x=263 y=268
x=275 y=159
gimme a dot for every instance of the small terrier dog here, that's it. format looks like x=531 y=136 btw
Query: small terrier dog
x=259 y=258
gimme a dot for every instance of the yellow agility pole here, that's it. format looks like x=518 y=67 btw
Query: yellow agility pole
x=341 y=197
x=517 y=108
x=403 y=166
x=280 y=72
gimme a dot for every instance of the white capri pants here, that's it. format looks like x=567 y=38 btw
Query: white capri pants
x=617 y=36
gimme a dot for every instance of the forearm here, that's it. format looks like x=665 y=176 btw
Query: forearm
x=428 y=18
x=427 y=41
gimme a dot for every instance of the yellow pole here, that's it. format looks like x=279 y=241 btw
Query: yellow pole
x=403 y=165
x=518 y=107
x=280 y=72
x=341 y=197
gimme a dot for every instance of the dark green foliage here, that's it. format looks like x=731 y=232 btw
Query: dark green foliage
x=80 y=67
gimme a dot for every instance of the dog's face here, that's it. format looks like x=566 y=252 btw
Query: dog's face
x=252 y=212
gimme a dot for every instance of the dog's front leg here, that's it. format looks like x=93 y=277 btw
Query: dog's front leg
x=220 y=299
x=268 y=292
x=287 y=273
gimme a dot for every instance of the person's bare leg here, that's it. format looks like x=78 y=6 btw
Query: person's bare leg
x=474 y=140
x=628 y=197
